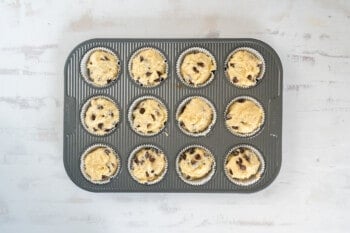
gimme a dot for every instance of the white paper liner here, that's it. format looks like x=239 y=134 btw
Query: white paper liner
x=182 y=56
x=253 y=133
x=250 y=180
x=183 y=104
x=133 y=153
x=134 y=105
x=84 y=70
x=135 y=54
x=92 y=148
x=257 y=54
x=85 y=108
x=197 y=181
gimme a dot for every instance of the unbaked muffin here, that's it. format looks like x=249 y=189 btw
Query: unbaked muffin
x=99 y=164
x=148 y=67
x=147 y=165
x=244 y=116
x=243 y=164
x=196 y=67
x=100 y=115
x=102 y=67
x=195 y=164
x=148 y=116
x=196 y=115
x=244 y=68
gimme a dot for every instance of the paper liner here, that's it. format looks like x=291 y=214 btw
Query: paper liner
x=182 y=56
x=84 y=70
x=92 y=148
x=133 y=153
x=134 y=105
x=257 y=54
x=244 y=134
x=183 y=104
x=85 y=108
x=197 y=181
x=250 y=180
x=130 y=66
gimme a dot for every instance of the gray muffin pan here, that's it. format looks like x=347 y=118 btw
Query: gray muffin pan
x=172 y=91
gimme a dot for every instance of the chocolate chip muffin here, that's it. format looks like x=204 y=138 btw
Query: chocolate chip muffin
x=148 y=67
x=195 y=164
x=102 y=67
x=100 y=115
x=196 y=115
x=99 y=164
x=244 y=68
x=196 y=67
x=244 y=116
x=148 y=165
x=243 y=165
x=149 y=116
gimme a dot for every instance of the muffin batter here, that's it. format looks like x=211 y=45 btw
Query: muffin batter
x=244 y=68
x=148 y=165
x=244 y=116
x=101 y=116
x=195 y=163
x=197 y=68
x=149 y=116
x=102 y=67
x=100 y=164
x=148 y=67
x=242 y=164
x=196 y=116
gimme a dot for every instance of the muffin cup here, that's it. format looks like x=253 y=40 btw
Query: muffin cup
x=133 y=153
x=91 y=148
x=134 y=105
x=182 y=56
x=253 y=133
x=250 y=180
x=87 y=105
x=183 y=104
x=84 y=71
x=257 y=54
x=135 y=54
x=198 y=181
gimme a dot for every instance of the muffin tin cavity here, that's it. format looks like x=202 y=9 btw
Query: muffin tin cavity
x=171 y=115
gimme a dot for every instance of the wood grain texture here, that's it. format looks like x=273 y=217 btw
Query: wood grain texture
x=312 y=192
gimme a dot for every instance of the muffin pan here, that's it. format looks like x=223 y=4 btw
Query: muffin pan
x=172 y=91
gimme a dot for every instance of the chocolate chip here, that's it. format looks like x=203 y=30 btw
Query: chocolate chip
x=146 y=155
x=201 y=64
x=241 y=100
x=136 y=160
x=153 y=117
x=157 y=80
x=183 y=156
x=107 y=130
x=148 y=74
x=188 y=177
x=240 y=160
x=93 y=117
x=242 y=167
x=193 y=162
x=104 y=177
x=235 y=80
x=228 y=117
x=100 y=125
x=249 y=77
x=259 y=65
x=230 y=171
x=152 y=159
x=246 y=157
x=232 y=65
x=191 y=150
x=112 y=114
x=241 y=149
x=149 y=131
x=195 y=69
x=159 y=73
x=197 y=156
x=161 y=79
x=107 y=151
x=99 y=107
x=109 y=80
x=235 y=127
x=147 y=174
x=142 y=110
x=94 y=129
x=149 y=125
x=182 y=124
x=141 y=58
x=235 y=152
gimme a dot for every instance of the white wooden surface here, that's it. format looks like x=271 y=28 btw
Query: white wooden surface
x=312 y=192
